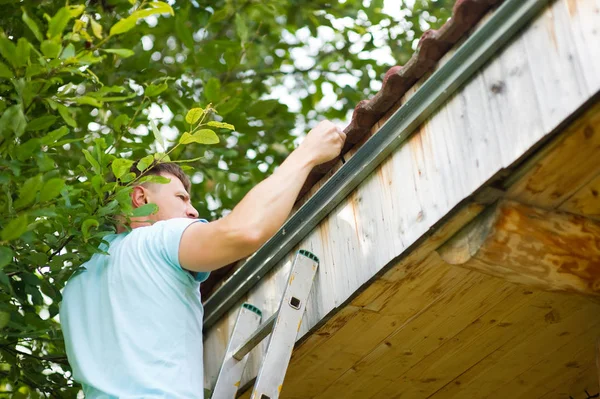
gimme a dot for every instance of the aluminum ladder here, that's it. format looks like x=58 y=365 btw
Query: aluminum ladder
x=283 y=327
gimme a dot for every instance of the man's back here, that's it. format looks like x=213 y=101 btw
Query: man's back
x=133 y=319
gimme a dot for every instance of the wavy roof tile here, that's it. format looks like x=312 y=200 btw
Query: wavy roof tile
x=399 y=79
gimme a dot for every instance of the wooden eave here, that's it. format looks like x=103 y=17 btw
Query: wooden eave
x=397 y=310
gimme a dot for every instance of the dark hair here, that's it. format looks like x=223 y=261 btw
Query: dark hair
x=164 y=167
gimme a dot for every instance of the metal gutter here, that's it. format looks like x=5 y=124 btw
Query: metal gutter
x=504 y=23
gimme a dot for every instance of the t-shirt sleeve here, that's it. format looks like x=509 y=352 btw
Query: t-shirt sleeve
x=167 y=237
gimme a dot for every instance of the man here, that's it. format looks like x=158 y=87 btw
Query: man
x=133 y=320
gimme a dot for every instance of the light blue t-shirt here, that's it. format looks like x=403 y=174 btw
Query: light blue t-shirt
x=132 y=320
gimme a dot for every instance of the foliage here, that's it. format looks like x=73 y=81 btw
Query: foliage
x=82 y=86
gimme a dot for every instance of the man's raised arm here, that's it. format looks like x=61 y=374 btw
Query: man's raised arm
x=258 y=216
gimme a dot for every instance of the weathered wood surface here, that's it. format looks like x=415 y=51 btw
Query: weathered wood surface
x=378 y=276
x=566 y=166
x=549 y=250
x=586 y=201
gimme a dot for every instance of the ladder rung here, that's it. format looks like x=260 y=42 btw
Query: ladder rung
x=261 y=332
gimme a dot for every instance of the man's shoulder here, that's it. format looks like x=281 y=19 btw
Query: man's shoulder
x=169 y=225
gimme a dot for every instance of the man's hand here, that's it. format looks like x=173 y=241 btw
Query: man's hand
x=323 y=143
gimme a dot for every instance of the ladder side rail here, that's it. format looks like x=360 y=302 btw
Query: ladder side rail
x=289 y=319
x=229 y=378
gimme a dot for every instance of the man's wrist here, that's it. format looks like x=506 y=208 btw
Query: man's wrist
x=302 y=157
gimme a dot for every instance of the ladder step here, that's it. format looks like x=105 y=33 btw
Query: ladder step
x=261 y=333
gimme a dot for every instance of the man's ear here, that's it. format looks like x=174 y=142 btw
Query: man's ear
x=139 y=196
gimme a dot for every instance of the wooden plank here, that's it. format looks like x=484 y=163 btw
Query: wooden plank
x=586 y=201
x=583 y=15
x=577 y=382
x=557 y=72
x=549 y=250
x=546 y=182
x=421 y=334
x=552 y=367
x=515 y=112
x=479 y=339
x=518 y=354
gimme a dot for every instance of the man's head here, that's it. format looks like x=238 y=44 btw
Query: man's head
x=173 y=198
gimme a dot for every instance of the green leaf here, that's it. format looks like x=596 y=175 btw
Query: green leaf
x=241 y=28
x=88 y=58
x=95 y=165
x=33 y=70
x=202 y=136
x=155 y=90
x=145 y=210
x=4 y=320
x=23 y=50
x=221 y=125
x=154 y=179
x=32 y=25
x=129 y=23
x=5 y=71
x=76 y=10
x=28 y=191
x=220 y=15
x=13 y=121
x=229 y=106
x=15 y=228
x=86 y=100
x=97 y=183
x=50 y=48
x=55 y=135
x=184 y=33
x=68 y=52
x=188 y=160
x=120 y=121
x=25 y=150
x=120 y=166
x=96 y=28
x=143 y=163
x=41 y=123
x=161 y=7
x=194 y=115
x=124 y=25
x=8 y=50
x=162 y=157
x=87 y=225
x=121 y=52
x=212 y=90
x=6 y=256
x=66 y=115
x=51 y=189
x=59 y=22
x=157 y=7
x=157 y=136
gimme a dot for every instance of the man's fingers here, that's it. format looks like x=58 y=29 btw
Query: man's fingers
x=341 y=133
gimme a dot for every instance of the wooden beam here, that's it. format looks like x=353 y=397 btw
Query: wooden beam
x=551 y=250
